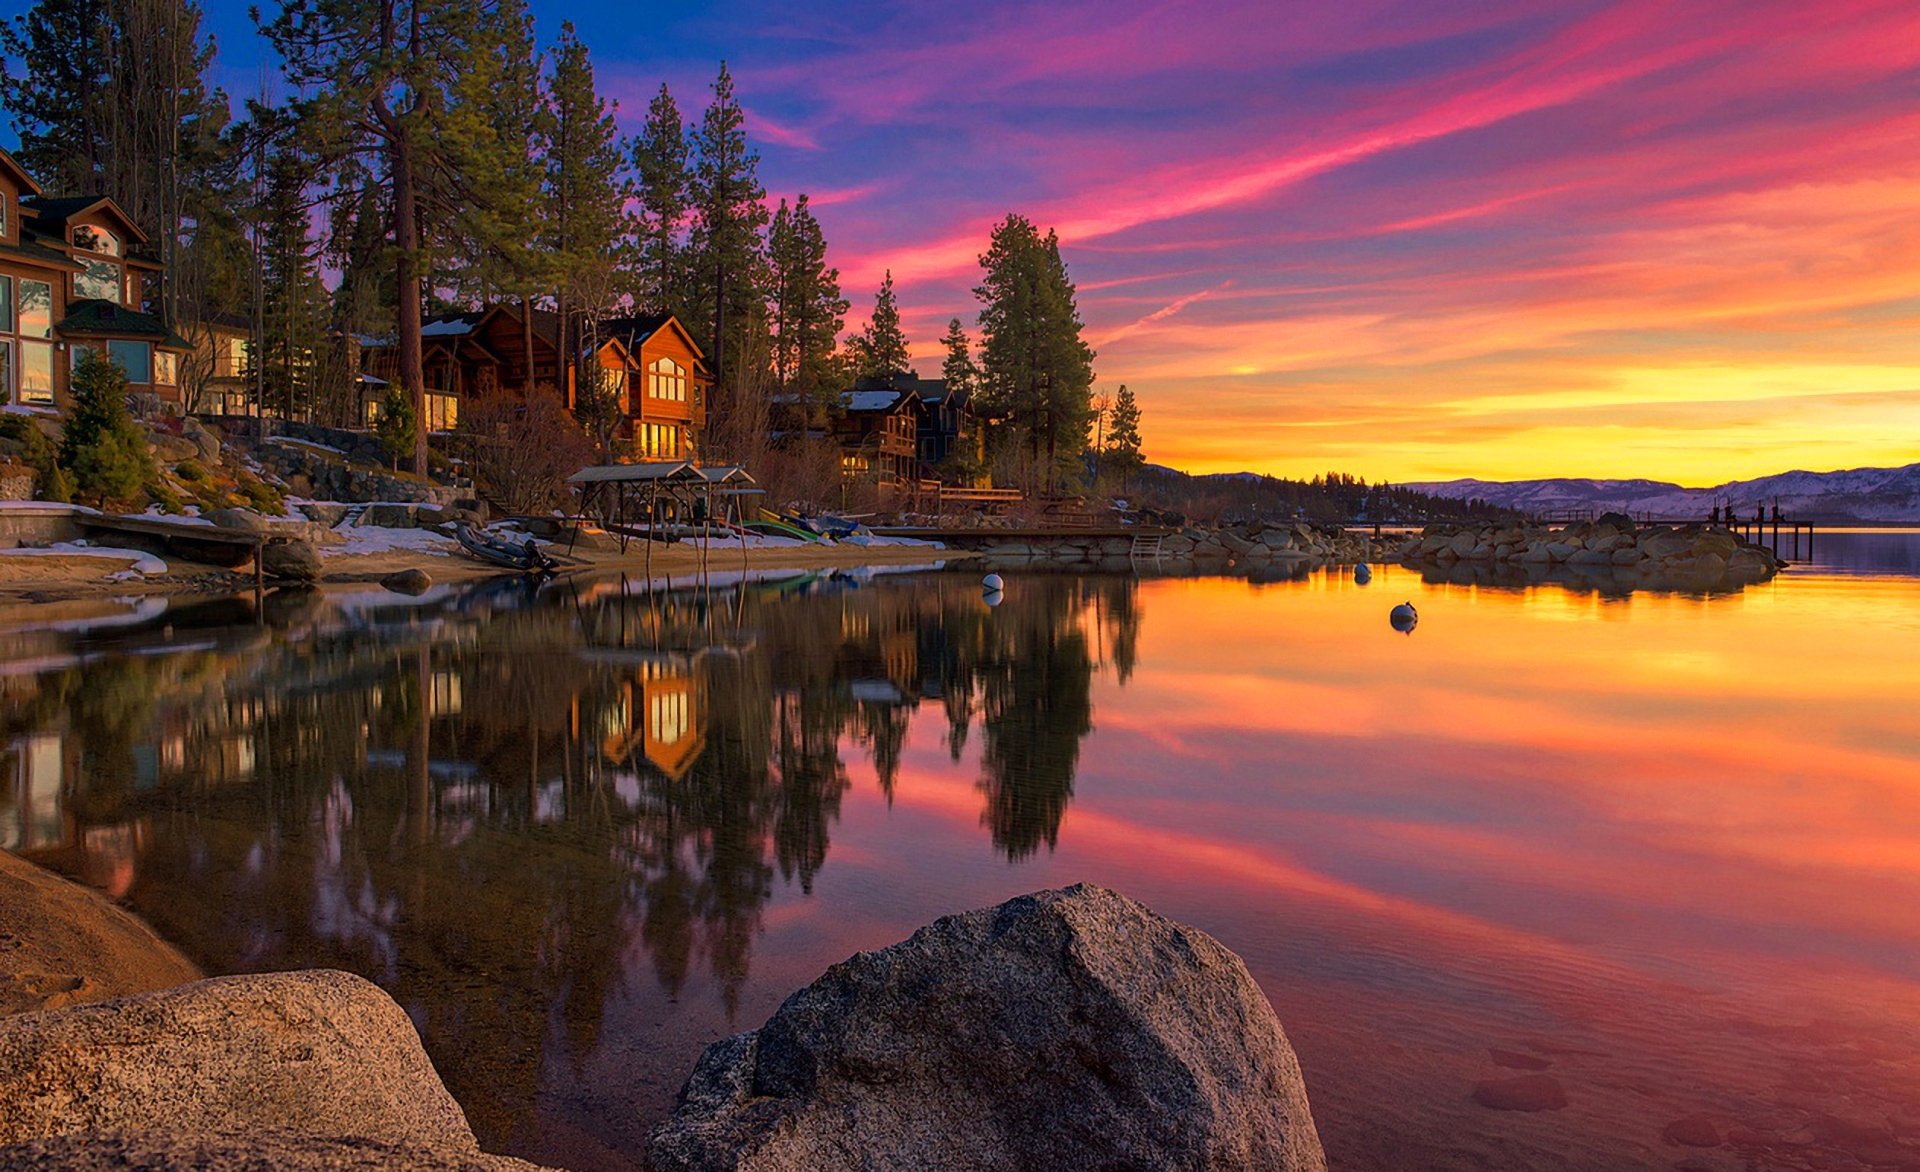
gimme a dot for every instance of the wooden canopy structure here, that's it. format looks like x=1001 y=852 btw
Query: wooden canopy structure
x=612 y=493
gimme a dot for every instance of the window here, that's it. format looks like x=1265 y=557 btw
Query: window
x=667 y=379
x=136 y=358
x=88 y=238
x=6 y=305
x=36 y=310
x=443 y=412
x=669 y=717
x=36 y=371
x=660 y=441
x=6 y=370
x=166 y=368
x=100 y=282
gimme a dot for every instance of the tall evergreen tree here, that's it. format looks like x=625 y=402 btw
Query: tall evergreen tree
x=293 y=301
x=1036 y=372
x=388 y=82
x=961 y=373
x=881 y=348
x=729 y=211
x=1123 y=436
x=587 y=228
x=807 y=308
x=663 y=166
x=113 y=100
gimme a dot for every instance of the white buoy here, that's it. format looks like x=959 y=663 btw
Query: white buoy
x=1362 y=574
x=1404 y=618
x=993 y=597
x=992 y=582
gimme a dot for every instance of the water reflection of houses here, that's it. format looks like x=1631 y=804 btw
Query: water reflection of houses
x=657 y=715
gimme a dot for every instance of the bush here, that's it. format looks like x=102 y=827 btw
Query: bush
x=168 y=500
x=101 y=446
x=189 y=470
x=265 y=498
x=21 y=437
x=524 y=450
x=398 y=428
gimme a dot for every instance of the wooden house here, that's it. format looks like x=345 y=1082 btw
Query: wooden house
x=651 y=365
x=72 y=280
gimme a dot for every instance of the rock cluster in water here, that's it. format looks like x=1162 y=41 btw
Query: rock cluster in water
x=1614 y=546
x=1067 y=1029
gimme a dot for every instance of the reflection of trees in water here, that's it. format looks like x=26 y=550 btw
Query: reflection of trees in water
x=482 y=813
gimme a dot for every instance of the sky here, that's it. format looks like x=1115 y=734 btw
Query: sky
x=1405 y=240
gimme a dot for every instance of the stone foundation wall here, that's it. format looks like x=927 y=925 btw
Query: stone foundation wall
x=38 y=524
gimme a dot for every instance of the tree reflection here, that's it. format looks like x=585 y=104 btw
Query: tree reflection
x=494 y=804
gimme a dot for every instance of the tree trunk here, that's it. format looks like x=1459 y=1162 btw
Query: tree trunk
x=526 y=341
x=406 y=239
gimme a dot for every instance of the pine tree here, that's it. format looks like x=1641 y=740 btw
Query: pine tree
x=100 y=446
x=730 y=209
x=880 y=349
x=390 y=82
x=398 y=427
x=586 y=198
x=662 y=162
x=293 y=301
x=807 y=308
x=1123 y=436
x=961 y=373
x=1036 y=372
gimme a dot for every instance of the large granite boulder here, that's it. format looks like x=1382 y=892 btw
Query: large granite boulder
x=296 y=561
x=63 y=944
x=1066 y=1029
x=314 y=1053
x=245 y=520
x=280 y=1151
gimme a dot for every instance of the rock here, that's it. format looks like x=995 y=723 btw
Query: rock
x=1630 y=556
x=1066 y=1029
x=205 y=443
x=1695 y=1131
x=1619 y=521
x=16 y=482
x=297 y=561
x=325 y=513
x=389 y=516
x=1560 y=551
x=1590 y=557
x=315 y=1053
x=1528 y=1092
x=154 y=1151
x=412 y=581
x=171 y=449
x=1537 y=554
x=63 y=944
x=1710 y=565
x=242 y=519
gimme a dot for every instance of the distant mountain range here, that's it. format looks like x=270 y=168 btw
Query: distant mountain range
x=1857 y=495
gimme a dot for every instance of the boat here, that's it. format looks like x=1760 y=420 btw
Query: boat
x=526 y=558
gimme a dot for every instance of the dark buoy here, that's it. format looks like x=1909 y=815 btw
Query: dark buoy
x=1404 y=618
x=1362 y=574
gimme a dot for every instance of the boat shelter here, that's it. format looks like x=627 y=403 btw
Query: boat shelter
x=652 y=499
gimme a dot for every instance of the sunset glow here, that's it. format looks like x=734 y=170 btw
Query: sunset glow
x=1409 y=241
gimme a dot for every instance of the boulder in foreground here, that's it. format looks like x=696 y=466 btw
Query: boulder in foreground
x=316 y=1053
x=1066 y=1029
x=63 y=944
x=280 y=1151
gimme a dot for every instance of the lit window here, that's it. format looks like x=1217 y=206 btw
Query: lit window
x=443 y=412
x=166 y=369
x=36 y=309
x=36 y=371
x=667 y=379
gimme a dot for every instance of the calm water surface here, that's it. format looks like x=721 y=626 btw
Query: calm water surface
x=1662 y=849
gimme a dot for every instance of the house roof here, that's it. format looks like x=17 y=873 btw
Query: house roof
x=30 y=251
x=448 y=325
x=635 y=330
x=93 y=318
x=53 y=215
x=11 y=167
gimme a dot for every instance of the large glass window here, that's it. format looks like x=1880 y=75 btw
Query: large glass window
x=36 y=310
x=99 y=240
x=443 y=412
x=6 y=370
x=36 y=371
x=136 y=358
x=667 y=379
x=6 y=305
x=166 y=369
x=101 y=281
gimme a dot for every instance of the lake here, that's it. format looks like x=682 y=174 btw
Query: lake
x=1663 y=849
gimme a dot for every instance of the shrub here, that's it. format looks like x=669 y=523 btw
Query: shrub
x=168 y=500
x=524 y=450
x=265 y=498
x=398 y=428
x=101 y=446
x=22 y=438
x=189 y=470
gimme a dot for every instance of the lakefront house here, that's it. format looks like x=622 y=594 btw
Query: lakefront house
x=892 y=430
x=72 y=280
x=653 y=367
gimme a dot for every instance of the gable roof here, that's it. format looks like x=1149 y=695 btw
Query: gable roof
x=634 y=331
x=862 y=402
x=52 y=216
x=11 y=167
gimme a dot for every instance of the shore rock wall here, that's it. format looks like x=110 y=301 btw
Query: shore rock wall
x=1613 y=546
x=1255 y=546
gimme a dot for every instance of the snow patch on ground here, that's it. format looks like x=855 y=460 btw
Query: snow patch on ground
x=143 y=563
x=379 y=539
